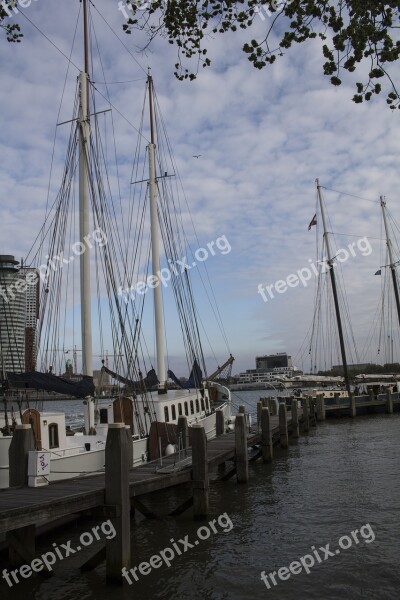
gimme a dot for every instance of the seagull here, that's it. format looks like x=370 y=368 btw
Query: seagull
x=196 y=155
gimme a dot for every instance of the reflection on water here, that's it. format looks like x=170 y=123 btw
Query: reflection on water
x=340 y=477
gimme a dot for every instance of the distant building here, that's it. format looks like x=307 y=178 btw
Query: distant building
x=353 y=367
x=274 y=361
x=270 y=368
x=19 y=311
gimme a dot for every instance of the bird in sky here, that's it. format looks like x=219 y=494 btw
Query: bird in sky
x=196 y=155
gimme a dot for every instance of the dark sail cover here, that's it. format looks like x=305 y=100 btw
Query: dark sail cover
x=149 y=381
x=194 y=381
x=51 y=383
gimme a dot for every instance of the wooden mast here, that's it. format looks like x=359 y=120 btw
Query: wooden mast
x=334 y=291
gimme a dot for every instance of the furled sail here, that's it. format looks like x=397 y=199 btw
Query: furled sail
x=150 y=381
x=50 y=383
x=194 y=381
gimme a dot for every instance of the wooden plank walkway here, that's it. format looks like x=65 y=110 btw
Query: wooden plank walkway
x=20 y=507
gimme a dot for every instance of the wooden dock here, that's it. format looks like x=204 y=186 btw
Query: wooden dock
x=115 y=493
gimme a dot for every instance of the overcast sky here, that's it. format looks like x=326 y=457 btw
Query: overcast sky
x=263 y=136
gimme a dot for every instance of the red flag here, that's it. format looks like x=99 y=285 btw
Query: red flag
x=313 y=221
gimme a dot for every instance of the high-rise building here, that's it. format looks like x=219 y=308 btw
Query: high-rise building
x=274 y=361
x=19 y=311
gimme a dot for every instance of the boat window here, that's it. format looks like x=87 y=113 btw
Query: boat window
x=202 y=404
x=186 y=409
x=53 y=435
x=179 y=409
x=173 y=412
x=191 y=407
x=166 y=414
x=197 y=405
x=103 y=415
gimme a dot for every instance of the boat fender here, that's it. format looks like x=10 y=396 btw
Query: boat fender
x=170 y=449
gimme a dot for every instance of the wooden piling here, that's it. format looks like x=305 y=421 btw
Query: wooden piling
x=389 y=402
x=321 y=413
x=183 y=432
x=118 y=549
x=313 y=411
x=306 y=414
x=295 y=419
x=353 y=410
x=22 y=442
x=283 y=428
x=242 y=463
x=241 y=409
x=200 y=472
x=259 y=407
x=220 y=422
x=371 y=395
x=267 y=447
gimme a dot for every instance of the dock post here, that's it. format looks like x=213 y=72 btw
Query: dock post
x=130 y=445
x=264 y=402
x=353 y=410
x=313 y=411
x=389 y=402
x=21 y=542
x=183 y=432
x=242 y=461
x=371 y=395
x=22 y=442
x=306 y=414
x=199 y=472
x=118 y=549
x=220 y=423
x=295 y=419
x=259 y=407
x=336 y=395
x=267 y=447
x=241 y=409
x=283 y=428
x=321 y=412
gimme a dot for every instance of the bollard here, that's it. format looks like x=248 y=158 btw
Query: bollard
x=199 y=472
x=295 y=419
x=306 y=416
x=183 y=433
x=321 y=412
x=22 y=442
x=283 y=428
x=242 y=466
x=353 y=410
x=118 y=549
x=259 y=407
x=266 y=436
x=220 y=422
x=389 y=402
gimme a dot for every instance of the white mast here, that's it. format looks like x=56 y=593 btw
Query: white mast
x=158 y=307
x=84 y=223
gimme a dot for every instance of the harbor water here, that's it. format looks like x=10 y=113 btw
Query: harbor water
x=338 y=485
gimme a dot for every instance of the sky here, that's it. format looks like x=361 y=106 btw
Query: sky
x=263 y=138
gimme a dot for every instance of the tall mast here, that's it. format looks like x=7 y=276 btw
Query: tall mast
x=334 y=290
x=84 y=222
x=391 y=259
x=155 y=249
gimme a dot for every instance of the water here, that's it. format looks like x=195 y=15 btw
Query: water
x=340 y=477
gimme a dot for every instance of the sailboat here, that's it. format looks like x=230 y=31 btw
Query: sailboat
x=146 y=404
